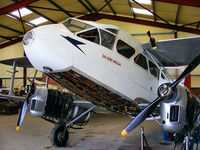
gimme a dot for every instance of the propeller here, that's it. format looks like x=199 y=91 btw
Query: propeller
x=25 y=105
x=152 y=40
x=164 y=91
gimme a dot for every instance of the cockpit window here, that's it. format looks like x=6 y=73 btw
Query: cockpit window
x=115 y=31
x=107 y=39
x=75 y=25
x=91 y=35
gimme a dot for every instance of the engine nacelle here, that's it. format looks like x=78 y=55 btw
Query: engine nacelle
x=173 y=111
x=55 y=105
x=38 y=101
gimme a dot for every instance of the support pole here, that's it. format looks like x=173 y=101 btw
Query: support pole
x=80 y=116
x=142 y=138
x=187 y=140
x=11 y=92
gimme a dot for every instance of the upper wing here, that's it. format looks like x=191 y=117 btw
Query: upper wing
x=20 y=62
x=176 y=52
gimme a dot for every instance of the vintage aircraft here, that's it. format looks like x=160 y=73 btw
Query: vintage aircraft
x=111 y=69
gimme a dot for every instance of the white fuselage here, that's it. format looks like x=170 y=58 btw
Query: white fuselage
x=59 y=49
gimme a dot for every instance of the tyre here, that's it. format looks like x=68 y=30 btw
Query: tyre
x=57 y=138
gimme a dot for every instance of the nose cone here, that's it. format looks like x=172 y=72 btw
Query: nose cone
x=47 y=49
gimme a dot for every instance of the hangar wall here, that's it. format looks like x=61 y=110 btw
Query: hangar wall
x=16 y=50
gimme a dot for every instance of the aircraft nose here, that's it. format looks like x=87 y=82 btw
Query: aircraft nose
x=46 y=48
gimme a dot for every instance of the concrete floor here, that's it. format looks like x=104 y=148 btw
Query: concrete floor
x=101 y=133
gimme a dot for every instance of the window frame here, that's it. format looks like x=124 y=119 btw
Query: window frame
x=147 y=67
x=157 y=72
x=87 y=31
x=127 y=45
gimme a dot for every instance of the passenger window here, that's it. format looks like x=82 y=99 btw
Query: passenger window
x=107 y=39
x=124 y=49
x=141 y=61
x=153 y=69
x=91 y=35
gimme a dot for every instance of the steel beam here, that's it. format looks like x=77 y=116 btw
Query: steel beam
x=54 y=9
x=194 y=3
x=17 y=18
x=154 y=10
x=11 y=42
x=151 y=12
x=40 y=14
x=95 y=17
x=109 y=5
x=15 y=6
x=93 y=8
x=177 y=14
x=11 y=29
x=104 y=6
x=59 y=7
x=84 y=5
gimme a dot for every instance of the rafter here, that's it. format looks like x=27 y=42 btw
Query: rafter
x=85 y=6
x=95 y=17
x=93 y=8
x=152 y=12
x=11 y=29
x=195 y=3
x=54 y=9
x=15 y=6
x=104 y=6
x=40 y=14
x=130 y=6
x=177 y=14
x=190 y=23
x=11 y=42
x=111 y=8
x=59 y=7
x=17 y=18
x=22 y=23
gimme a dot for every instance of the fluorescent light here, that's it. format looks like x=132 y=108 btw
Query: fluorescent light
x=146 y=2
x=38 y=20
x=141 y=11
x=23 y=11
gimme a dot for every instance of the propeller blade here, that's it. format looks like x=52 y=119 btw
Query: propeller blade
x=25 y=105
x=149 y=33
x=187 y=71
x=152 y=40
x=141 y=116
x=22 y=114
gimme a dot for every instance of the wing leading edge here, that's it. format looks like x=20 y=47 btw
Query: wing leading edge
x=20 y=62
x=176 y=52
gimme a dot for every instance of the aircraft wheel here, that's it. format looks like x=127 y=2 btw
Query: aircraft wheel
x=57 y=137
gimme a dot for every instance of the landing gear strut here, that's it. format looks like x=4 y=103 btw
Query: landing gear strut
x=59 y=135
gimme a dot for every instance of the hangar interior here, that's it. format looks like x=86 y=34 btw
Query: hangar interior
x=166 y=19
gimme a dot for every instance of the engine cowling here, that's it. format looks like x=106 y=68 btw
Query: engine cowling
x=173 y=111
x=54 y=105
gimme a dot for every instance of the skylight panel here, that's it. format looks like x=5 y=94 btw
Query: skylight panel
x=38 y=20
x=141 y=11
x=146 y=2
x=23 y=11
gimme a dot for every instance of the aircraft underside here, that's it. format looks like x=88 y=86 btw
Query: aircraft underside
x=95 y=93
